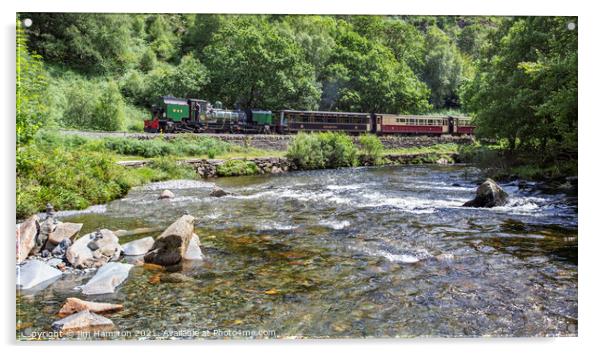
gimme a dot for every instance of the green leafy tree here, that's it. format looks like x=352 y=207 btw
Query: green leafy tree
x=96 y=43
x=525 y=89
x=363 y=75
x=31 y=88
x=442 y=69
x=254 y=65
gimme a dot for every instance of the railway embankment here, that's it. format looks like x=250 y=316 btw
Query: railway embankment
x=211 y=168
x=280 y=142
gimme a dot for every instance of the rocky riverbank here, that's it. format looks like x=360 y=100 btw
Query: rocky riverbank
x=209 y=168
x=100 y=253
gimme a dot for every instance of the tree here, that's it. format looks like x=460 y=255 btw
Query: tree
x=31 y=87
x=253 y=64
x=363 y=75
x=525 y=89
x=95 y=43
x=442 y=69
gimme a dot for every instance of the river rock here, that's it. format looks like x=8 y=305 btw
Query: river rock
x=218 y=192
x=73 y=305
x=34 y=272
x=489 y=195
x=26 y=237
x=176 y=278
x=61 y=249
x=81 y=321
x=94 y=249
x=193 y=252
x=171 y=245
x=166 y=194
x=46 y=228
x=107 y=278
x=442 y=161
x=62 y=231
x=138 y=247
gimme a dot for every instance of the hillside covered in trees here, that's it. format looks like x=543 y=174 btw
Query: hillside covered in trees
x=516 y=76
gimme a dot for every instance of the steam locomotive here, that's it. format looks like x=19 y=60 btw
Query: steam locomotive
x=171 y=115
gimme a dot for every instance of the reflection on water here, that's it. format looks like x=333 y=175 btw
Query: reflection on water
x=368 y=252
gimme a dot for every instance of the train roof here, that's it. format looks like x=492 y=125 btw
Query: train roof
x=174 y=100
x=324 y=112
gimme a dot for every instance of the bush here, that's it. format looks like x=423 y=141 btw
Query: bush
x=306 y=151
x=323 y=150
x=237 y=168
x=371 y=149
x=93 y=105
x=67 y=178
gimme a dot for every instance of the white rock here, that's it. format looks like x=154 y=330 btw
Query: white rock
x=107 y=249
x=84 y=320
x=138 y=247
x=107 y=278
x=193 y=252
x=62 y=231
x=26 y=237
x=34 y=272
x=166 y=194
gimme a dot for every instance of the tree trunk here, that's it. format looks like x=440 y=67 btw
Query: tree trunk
x=171 y=245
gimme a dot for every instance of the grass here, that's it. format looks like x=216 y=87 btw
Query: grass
x=433 y=149
x=237 y=168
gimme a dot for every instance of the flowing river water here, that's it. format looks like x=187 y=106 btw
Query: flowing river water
x=365 y=252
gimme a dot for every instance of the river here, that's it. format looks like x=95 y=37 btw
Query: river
x=364 y=252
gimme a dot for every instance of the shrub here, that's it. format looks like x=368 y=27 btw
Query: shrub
x=371 y=150
x=237 y=168
x=323 y=150
x=306 y=151
x=338 y=149
x=93 y=105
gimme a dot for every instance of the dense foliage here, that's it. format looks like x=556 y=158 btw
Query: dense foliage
x=237 y=168
x=351 y=63
x=525 y=89
x=322 y=150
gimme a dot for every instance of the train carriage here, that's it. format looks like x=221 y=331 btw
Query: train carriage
x=319 y=121
x=409 y=124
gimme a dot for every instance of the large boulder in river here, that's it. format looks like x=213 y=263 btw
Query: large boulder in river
x=170 y=247
x=26 y=237
x=107 y=278
x=489 y=195
x=62 y=231
x=138 y=247
x=94 y=249
x=34 y=273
